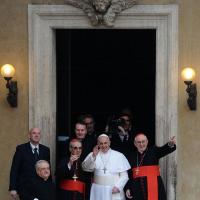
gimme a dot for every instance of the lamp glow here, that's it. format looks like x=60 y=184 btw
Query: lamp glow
x=7 y=70
x=188 y=74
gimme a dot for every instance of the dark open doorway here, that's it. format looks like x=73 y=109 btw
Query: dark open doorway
x=102 y=71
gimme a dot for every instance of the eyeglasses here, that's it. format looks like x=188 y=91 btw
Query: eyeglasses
x=77 y=148
x=141 y=142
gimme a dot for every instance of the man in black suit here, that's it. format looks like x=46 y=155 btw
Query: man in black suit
x=121 y=138
x=81 y=134
x=24 y=160
x=89 y=121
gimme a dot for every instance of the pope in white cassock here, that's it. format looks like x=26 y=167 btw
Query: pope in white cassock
x=110 y=171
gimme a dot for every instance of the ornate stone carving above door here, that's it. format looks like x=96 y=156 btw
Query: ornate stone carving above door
x=102 y=11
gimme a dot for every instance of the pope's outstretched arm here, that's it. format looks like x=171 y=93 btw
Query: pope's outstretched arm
x=89 y=163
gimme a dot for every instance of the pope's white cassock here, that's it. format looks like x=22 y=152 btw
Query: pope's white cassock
x=110 y=169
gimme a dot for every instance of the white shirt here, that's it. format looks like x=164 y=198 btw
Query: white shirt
x=34 y=146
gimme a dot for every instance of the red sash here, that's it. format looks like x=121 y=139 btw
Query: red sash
x=151 y=172
x=73 y=185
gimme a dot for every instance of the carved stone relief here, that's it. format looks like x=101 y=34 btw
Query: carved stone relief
x=102 y=11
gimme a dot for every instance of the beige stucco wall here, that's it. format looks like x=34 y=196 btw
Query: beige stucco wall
x=14 y=121
x=189 y=126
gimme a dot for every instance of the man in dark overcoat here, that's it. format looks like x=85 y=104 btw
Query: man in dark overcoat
x=24 y=160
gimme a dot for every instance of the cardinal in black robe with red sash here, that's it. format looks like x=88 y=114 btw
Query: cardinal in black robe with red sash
x=70 y=176
x=145 y=182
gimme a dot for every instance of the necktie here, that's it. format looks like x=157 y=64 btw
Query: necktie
x=125 y=138
x=36 y=156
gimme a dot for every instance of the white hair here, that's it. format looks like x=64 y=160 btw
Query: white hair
x=39 y=162
x=103 y=135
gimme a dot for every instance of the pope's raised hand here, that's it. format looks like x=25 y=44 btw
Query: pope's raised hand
x=95 y=151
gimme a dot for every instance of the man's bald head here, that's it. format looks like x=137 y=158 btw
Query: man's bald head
x=141 y=142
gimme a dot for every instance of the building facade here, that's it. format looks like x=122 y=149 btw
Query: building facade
x=27 y=27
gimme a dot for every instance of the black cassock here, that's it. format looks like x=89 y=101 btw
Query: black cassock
x=124 y=146
x=38 y=188
x=64 y=173
x=150 y=157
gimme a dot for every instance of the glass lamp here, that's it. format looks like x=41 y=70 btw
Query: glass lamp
x=188 y=75
x=8 y=71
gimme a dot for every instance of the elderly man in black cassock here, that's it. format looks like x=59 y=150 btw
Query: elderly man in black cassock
x=40 y=187
x=145 y=182
x=70 y=176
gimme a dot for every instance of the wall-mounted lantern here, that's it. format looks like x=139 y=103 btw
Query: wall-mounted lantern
x=188 y=75
x=8 y=71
